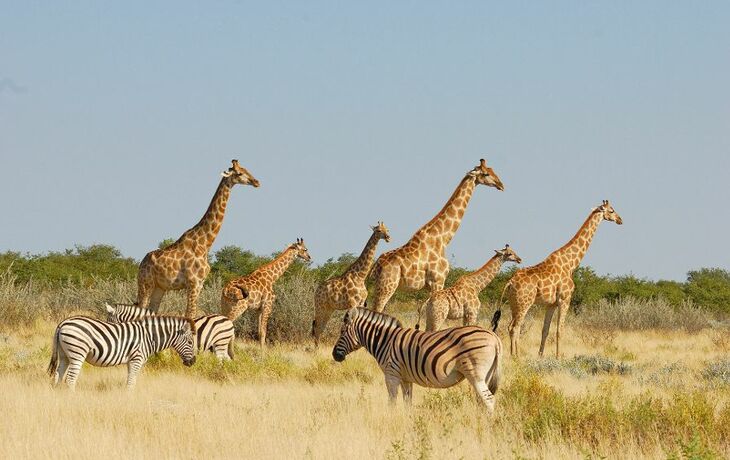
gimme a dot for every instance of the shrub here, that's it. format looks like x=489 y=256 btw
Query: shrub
x=635 y=314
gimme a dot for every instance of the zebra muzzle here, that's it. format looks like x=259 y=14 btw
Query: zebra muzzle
x=338 y=356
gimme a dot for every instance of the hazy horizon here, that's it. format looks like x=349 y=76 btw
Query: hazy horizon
x=116 y=120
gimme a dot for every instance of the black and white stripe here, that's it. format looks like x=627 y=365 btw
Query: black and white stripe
x=214 y=332
x=102 y=343
x=431 y=359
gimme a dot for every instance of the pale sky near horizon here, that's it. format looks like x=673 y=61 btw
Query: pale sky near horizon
x=116 y=120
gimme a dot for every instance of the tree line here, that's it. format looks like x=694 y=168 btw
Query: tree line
x=83 y=265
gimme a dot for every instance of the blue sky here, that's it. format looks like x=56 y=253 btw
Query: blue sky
x=116 y=120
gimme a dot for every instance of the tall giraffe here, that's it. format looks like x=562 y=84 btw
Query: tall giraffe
x=347 y=290
x=255 y=291
x=184 y=264
x=461 y=300
x=421 y=262
x=550 y=283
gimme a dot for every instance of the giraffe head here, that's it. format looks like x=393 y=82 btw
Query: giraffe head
x=485 y=175
x=301 y=250
x=508 y=254
x=382 y=231
x=608 y=212
x=237 y=174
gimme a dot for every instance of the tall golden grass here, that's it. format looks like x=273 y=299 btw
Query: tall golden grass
x=642 y=394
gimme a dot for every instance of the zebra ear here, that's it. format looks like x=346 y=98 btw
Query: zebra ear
x=109 y=308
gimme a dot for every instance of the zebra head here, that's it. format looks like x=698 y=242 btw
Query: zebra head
x=183 y=342
x=349 y=340
x=124 y=313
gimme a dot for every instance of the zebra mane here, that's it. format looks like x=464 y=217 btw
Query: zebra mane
x=372 y=316
x=154 y=317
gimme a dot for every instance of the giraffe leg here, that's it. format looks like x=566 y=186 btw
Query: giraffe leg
x=321 y=316
x=549 y=312
x=194 y=289
x=407 y=388
x=436 y=313
x=144 y=291
x=264 y=320
x=155 y=299
x=471 y=313
x=564 y=304
x=515 y=327
x=385 y=286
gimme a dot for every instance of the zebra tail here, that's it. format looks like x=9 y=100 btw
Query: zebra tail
x=53 y=365
x=495 y=374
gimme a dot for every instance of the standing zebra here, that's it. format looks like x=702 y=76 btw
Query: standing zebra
x=214 y=332
x=431 y=359
x=100 y=343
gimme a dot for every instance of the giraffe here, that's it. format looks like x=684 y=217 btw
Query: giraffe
x=421 y=262
x=347 y=290
x=184 y=264
x=550 y=283
x=461 y=300
x=255 y=291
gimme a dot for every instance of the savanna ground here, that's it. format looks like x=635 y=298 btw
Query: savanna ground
x=638 y=379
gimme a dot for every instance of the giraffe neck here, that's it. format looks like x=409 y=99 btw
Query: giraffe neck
x=483 y=276
x=576 y=248
x=278 y=266
x=361 y=267
x=445 y=224
x=205 y=231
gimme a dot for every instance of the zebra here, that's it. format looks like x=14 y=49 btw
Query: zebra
x=214 y=332
x=101 y=343
x=438 y=359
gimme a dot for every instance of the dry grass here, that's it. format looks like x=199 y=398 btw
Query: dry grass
x=290 y=401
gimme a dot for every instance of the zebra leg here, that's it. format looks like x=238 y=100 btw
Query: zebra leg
x=546 y=326
x=392 y=383
x=133 y=367
x=74 y=369
x=407 y=388
x=221 y=351
x=483 y=393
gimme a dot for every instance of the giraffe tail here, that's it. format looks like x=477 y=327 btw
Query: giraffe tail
x=495 y=320
x=420 y=310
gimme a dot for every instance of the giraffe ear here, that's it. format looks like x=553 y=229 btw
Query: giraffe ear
x=226 y=173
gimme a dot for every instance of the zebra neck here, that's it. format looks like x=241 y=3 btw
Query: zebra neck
x=160 y=332
x=375 y=338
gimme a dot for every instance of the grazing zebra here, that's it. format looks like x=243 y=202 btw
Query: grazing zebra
x=100 y=343
x=431 y=359
x=214 y=332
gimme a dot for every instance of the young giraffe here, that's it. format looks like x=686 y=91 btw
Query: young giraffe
x=462 y=299
x=347 y=290
x=184 y=264
x=256 y=290
x=422 y=262
x=550 y=282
